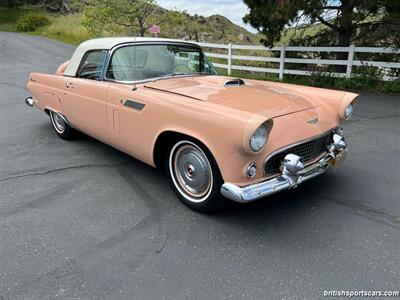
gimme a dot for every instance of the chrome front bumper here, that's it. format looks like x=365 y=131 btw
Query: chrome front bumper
x=293 y=173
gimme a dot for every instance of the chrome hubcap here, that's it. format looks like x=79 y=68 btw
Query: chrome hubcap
x=58 y=122
x=191 y=171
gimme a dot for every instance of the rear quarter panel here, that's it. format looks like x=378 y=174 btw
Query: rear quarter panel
x=47 y=90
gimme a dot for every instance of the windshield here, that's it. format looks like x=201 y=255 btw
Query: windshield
x=145 y=62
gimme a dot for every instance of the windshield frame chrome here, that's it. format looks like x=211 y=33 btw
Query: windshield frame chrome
x=135 y=82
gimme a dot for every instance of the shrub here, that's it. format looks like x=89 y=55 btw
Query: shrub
x=31 y=22
x=391 y=87
x=67 y=28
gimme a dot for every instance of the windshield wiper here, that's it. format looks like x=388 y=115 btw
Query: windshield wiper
x=178 y=74
x=169 y=75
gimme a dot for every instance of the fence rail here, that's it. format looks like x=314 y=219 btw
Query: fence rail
x=282 y=59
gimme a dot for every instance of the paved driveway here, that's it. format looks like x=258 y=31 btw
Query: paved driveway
x=82 y=220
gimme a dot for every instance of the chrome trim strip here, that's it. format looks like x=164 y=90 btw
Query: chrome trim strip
x=332 y=130
x=172 y=92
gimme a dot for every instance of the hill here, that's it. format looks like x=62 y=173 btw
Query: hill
x=216 y=29
x=70 y=28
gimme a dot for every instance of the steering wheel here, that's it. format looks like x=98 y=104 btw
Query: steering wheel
x=181 y=65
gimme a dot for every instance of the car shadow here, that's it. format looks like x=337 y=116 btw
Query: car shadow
x=290 y=204
x=293 y=205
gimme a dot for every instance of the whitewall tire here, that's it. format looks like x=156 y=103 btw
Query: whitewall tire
x=195 y=176
x=60 y=126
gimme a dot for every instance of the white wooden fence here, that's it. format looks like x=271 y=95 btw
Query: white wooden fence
x=282 y=60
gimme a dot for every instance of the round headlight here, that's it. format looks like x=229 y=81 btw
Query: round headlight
x=348 y=111
x=259 y=138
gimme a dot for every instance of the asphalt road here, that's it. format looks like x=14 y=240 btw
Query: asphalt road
x=81 y=220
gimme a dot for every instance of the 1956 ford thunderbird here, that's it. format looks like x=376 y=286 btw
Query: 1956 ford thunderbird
x=162 y=102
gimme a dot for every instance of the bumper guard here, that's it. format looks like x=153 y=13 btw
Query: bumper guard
x=293 y=173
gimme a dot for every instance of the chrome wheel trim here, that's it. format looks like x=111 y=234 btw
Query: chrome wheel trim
x=58 y=122
x=191 y=171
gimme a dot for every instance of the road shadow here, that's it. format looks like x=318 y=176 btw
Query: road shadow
x=285 y=208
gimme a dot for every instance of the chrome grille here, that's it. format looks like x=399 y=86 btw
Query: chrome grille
x=308 y=151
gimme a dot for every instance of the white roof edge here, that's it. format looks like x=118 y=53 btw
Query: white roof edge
x=107 y=44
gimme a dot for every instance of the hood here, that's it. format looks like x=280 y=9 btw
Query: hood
x=252 y=96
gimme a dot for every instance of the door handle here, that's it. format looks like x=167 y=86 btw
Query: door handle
x=69 y=85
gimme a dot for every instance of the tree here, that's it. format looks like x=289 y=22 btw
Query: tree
x=12 y=4
x=340 y=22
x=135 y=15
x=59 y=6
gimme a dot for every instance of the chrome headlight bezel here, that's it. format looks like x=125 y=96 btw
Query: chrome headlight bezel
x=348 y=111
x=250 y=129
x=259 y=138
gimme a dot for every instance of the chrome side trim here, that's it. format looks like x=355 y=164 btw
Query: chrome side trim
x=293 y=173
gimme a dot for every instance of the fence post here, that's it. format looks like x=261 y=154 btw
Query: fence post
x=282 y=62
x=229 y=59
x=350 y=58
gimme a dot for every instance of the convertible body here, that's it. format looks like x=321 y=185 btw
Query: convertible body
x=145 y=96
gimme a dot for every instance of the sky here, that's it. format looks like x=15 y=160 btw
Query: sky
x=234 y=10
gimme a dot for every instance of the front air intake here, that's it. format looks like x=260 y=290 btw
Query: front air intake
x=309 y=151
x=234 y=82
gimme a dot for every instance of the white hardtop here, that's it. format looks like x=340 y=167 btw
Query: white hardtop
x=107 y=44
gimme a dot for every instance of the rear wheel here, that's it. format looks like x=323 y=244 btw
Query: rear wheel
x=195 y=176
x=60 y=126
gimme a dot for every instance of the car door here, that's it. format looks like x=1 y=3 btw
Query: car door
x=128 y=104
x=85 y=97
x=128 y=117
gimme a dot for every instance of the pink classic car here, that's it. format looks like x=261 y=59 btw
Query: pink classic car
x=162 y=102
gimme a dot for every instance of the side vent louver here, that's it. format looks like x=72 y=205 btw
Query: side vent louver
x=234 y=82
x=134 y=104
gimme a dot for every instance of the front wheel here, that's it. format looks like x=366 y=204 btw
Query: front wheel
x=60 y=126
x=195 y=176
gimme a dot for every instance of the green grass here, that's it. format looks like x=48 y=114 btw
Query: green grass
x=68 y=29
x=9 y=18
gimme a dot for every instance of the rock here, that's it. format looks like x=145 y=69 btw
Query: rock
x=204 y=36
x=202 y=20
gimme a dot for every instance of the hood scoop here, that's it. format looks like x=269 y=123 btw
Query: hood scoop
x=234 y=82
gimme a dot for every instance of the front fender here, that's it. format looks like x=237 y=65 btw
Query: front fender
x=227 y=151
